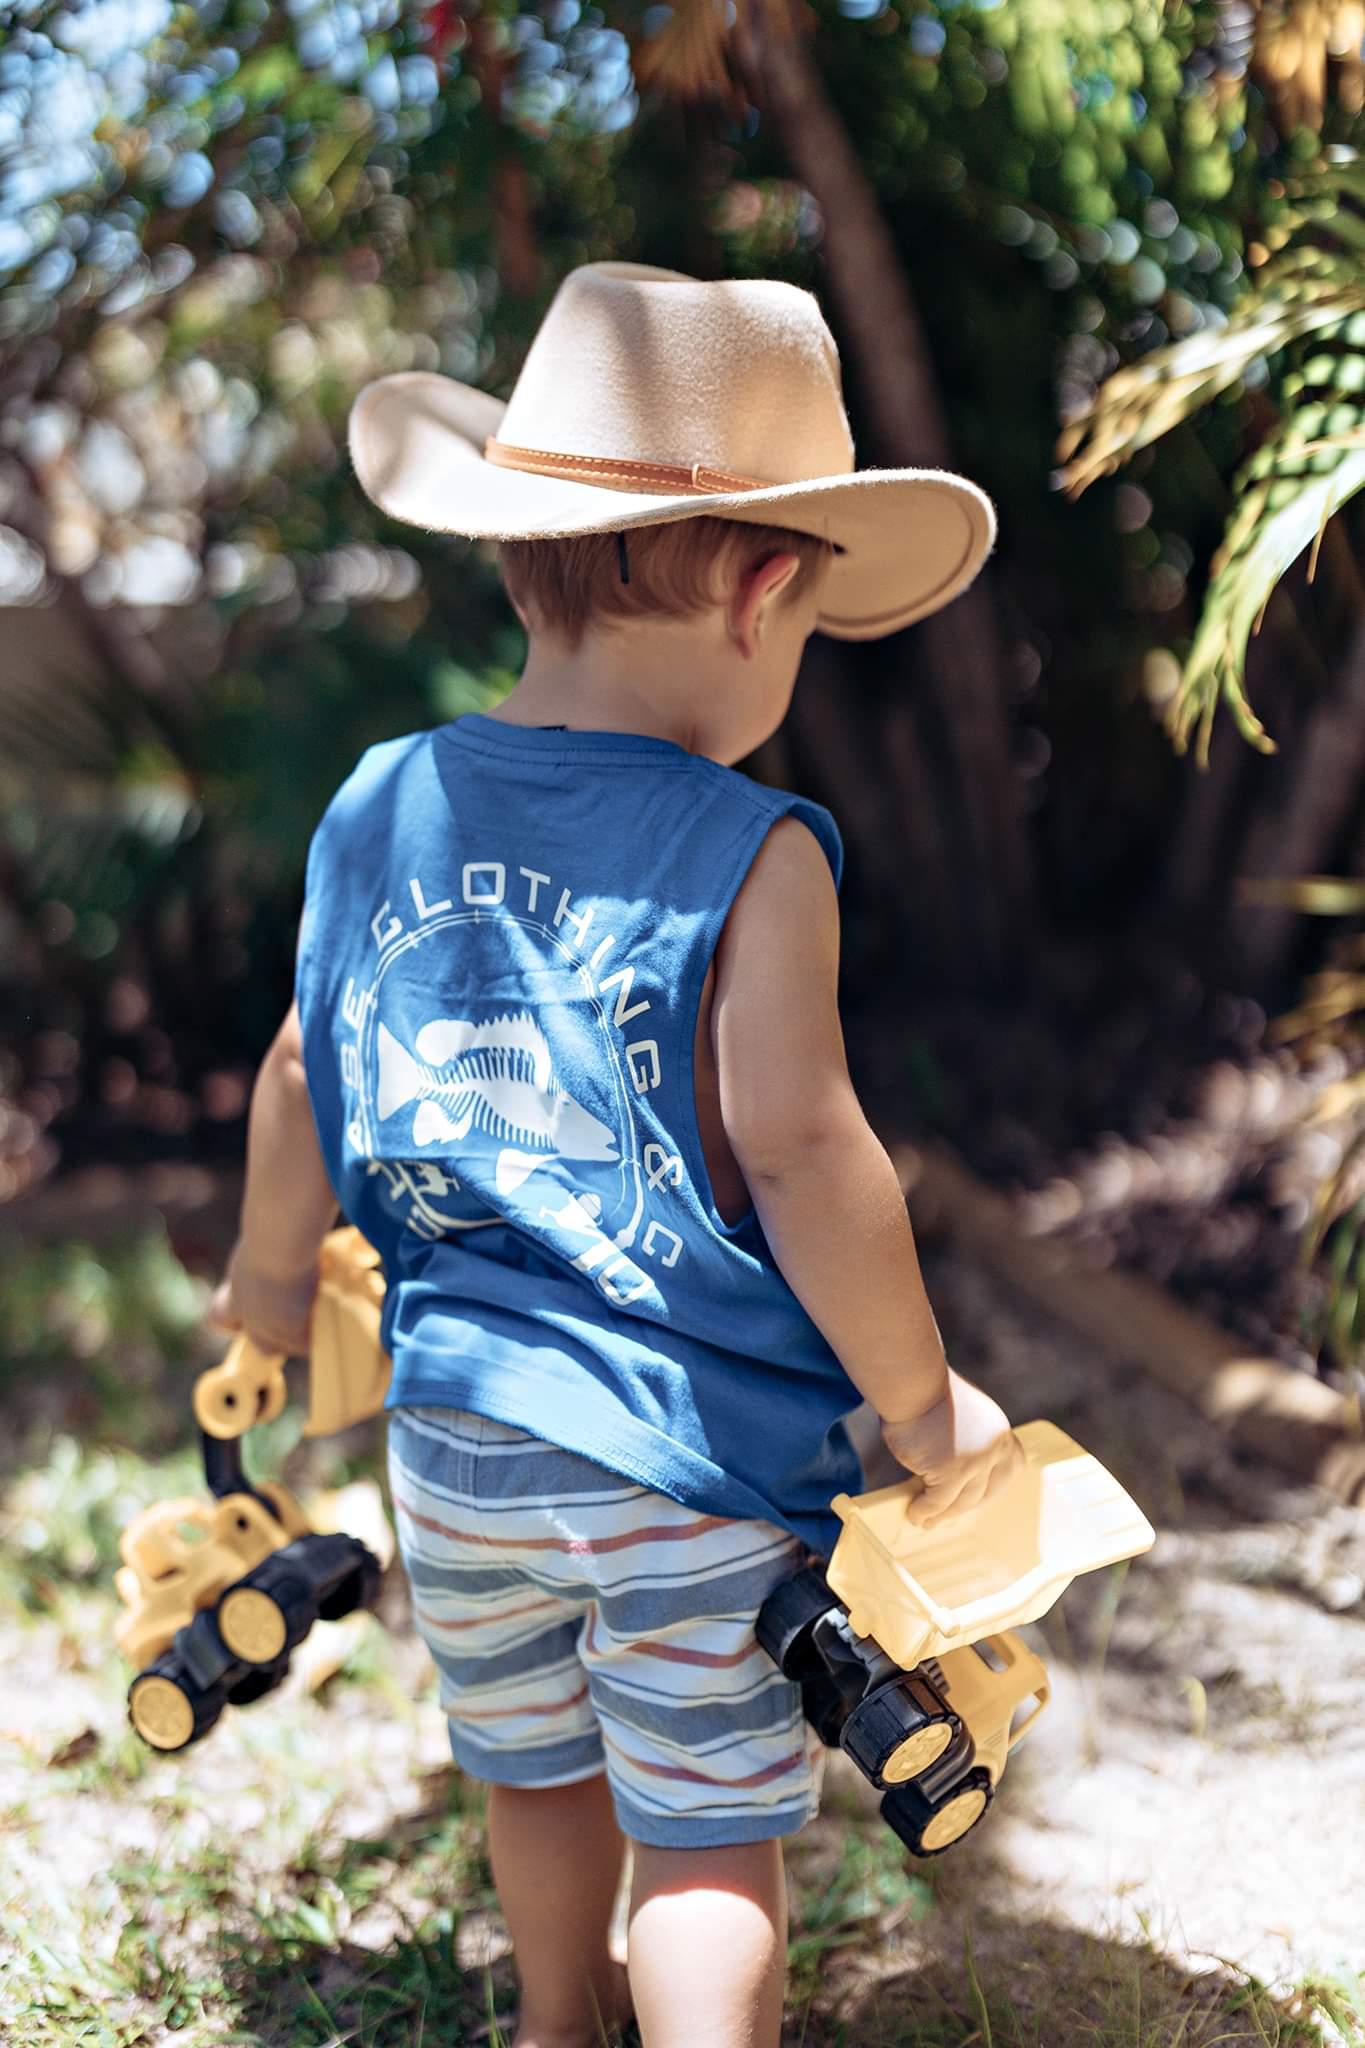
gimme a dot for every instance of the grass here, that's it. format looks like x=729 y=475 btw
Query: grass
x=309 y=1927
x=286 y=1933
x=314 y=1873
x=204 y=1952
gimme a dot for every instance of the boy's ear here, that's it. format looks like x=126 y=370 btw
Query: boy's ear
x=758 y=590
x=772 y=576
x=784 y=567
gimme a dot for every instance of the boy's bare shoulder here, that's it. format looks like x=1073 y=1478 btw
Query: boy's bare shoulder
x=789 y=882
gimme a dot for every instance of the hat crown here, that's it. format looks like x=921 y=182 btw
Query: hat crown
x=646 y=365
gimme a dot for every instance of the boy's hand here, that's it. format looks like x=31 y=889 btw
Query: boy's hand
x=275 y=1310
x=962 y=1448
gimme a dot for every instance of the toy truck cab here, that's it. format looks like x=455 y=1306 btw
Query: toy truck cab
x=902 y=1644
x=988 y=1684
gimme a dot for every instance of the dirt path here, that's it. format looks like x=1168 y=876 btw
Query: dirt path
x=1199 y=1779
x=1190 y=1809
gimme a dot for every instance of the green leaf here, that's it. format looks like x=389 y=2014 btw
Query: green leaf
x=1259 y=546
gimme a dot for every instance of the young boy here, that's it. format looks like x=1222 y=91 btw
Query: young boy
x=566 y=1047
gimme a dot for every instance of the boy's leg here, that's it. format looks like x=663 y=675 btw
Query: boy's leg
x=640 y=1652
x=705 y=1745
x=505 y=1642
x=708 y=1945
x=556 y=1854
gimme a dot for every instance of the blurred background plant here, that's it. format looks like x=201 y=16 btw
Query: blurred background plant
x=1329 y=1015
x=1106 y=259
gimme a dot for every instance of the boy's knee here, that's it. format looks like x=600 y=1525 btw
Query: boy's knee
x=750 y=1870
x=728 y=1905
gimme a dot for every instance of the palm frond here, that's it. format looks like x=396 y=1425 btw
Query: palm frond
x=1303 y=287
x=1284 y=496
x=1331 y=999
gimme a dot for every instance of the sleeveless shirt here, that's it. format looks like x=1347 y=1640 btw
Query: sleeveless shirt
x=505 y=936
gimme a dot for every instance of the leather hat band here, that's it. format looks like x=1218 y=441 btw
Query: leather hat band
x=618 y=473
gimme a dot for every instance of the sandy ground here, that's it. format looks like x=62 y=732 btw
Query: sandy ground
x=1193 y=1801
x=1199 y=1777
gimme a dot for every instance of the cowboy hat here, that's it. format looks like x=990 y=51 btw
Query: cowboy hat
x=648 y=396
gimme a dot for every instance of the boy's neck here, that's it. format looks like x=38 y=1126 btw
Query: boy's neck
x=648 y=683
x=569 y=712
x=687 y=680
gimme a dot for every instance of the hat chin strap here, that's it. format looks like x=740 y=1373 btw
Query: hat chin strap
x=614 y=473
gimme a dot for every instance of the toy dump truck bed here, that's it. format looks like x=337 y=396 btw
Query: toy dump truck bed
x=918 y=1592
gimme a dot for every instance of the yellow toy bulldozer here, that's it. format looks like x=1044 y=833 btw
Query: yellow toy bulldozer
x=219 y=1591
x=903 y=1645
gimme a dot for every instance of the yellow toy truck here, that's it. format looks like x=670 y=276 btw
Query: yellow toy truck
x=903 y=1646
x=218 y=1592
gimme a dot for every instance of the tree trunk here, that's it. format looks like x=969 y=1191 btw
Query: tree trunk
x=871 y=766
x=981 y=817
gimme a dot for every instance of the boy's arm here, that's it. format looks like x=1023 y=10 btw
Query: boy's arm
x=287 y=1208
x=824 y=1188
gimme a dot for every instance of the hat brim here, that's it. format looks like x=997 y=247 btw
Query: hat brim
x=911 y=539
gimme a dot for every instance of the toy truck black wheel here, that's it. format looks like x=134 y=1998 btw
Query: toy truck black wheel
x=899 y=1730
x=254 y=1625
x=787 y=1617
x=930 y=1824
x=350 y=1578
x=825 y=1706
x=168 y=1708
x=264 y=1615
x=258 y=1681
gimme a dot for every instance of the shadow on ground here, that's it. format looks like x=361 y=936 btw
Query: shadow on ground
x=415 y=1990
x=977 y=1982
x=994 y=1982
x=884 y=1954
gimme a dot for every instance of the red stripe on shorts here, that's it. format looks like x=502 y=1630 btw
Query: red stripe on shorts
x=572 y=1546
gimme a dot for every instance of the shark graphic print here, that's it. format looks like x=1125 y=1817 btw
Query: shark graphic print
x=492 y=1064
x=496 y=1076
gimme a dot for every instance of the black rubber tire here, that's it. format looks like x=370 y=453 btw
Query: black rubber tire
x=910 y=1815
x=788 y=1615
x=358 y=1590
x=259 y=1680
x=201 y=1705
x=825 y=1707
x=888 y=1717
x=281 y=1580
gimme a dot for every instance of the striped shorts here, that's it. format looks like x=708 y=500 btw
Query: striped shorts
x=581 y=1623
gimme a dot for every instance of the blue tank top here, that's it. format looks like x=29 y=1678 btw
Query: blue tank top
x=504 y=942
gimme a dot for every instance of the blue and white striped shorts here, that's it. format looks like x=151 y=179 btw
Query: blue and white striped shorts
x=580 y=1623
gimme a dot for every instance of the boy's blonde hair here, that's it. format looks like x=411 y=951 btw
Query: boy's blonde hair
x=569 y=583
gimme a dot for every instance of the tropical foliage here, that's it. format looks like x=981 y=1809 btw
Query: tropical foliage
x=1103 y=254
x=1305 y=312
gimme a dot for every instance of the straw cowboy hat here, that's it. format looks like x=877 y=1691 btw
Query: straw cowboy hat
x=648 y=396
